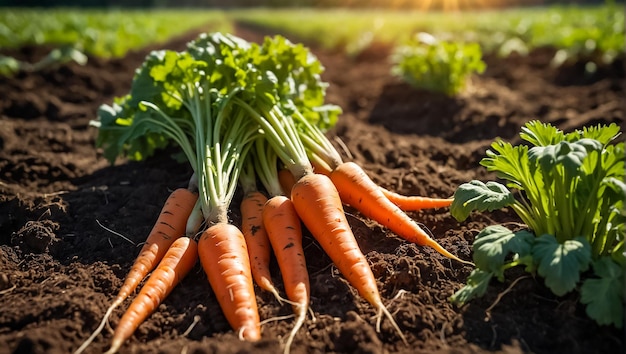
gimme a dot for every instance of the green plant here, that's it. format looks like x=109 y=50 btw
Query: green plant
x=9 y=65
x=440 y=66
x=571 y=194
x=74 y=34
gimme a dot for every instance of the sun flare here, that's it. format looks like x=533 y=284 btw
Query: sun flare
x=447 y=5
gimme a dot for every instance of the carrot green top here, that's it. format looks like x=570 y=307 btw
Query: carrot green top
x=214 y=100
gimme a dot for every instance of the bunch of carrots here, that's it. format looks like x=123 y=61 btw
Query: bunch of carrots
x=249 y=116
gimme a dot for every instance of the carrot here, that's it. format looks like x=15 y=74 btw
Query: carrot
x=285 y=233
x=286 y=179
x=284 y=230
x=320 y=208
x=359 y=191
x=320 y=166
x=170 y=225
x=224 y=257
x=257 y=241
x=177 y=262
x=414 y=203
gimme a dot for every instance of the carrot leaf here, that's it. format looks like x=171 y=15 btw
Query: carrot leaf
x=560 y=264
x=477 y=285
x=603 y=294
x=495 y=243
x=476 y=195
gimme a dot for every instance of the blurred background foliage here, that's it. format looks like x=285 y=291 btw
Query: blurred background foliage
x=399 y=4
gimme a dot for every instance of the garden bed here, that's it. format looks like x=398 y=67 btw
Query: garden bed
x=60 y=266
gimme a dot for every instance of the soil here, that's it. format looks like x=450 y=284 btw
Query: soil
x=63 y=209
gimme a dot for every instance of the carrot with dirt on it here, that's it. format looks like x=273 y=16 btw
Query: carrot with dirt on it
x=224 y=257
x=200 y=113
x=284 y=230
x=285 y=233
x=358 y=190
x=320 y=208
x=318 y=205
x=177 y=262
x=253 y=229
x=170 y=225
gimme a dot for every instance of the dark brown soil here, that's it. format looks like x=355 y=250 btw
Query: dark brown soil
x=60 y=267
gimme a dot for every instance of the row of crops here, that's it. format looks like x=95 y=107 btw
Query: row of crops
x=579 y=30
x=104 y=33
x=73 y=34
x=595 y=34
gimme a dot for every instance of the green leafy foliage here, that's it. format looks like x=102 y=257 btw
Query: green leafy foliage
x=9 y=65
x=586 y=33
x=476 y=286
x=76 y=33
x=603 y=294
x=570 y=193
x=213 y=100
x=477 y=195
x=57 y=56
x=496 y=243
x=561 y=263
x=435 y=65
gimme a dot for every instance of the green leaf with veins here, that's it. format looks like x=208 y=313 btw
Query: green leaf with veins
x=479 y=196
x=604 y=134
x=476 y=286
x=495 y=243
x=511 y=164
x=604 y=295
x=569 y=155
x=561 y=263
x=540 y=134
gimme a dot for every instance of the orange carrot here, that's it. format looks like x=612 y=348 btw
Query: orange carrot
x=414 y=203
x=224 y=257
x=317 y=202
x=177 y=262
x=285 y=234
x=286 y=179
x=359 y=191
x=319 y=166
x=170 y=225
x=257 y=242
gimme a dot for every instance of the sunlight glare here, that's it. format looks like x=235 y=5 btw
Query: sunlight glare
x=450 y=5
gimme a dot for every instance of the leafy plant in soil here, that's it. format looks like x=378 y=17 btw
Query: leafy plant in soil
x=570 y=194
x=440 y=66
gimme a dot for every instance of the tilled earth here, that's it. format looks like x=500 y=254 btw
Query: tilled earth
x=61 y=264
